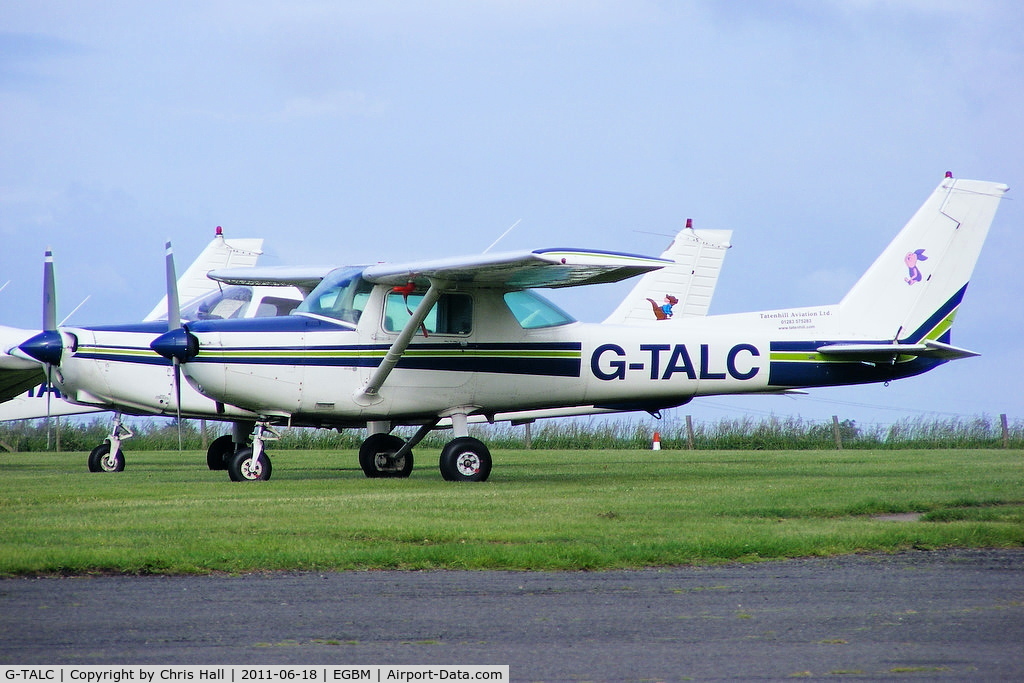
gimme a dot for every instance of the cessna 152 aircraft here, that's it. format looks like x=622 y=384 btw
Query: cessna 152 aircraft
x=113 y=366
x=458 y=338
x=102 y=383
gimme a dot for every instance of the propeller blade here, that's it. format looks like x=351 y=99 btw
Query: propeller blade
x=173 y=307
x=49 y=394
x=49 y=326
x=49 y=294
x=177 y=396
x=174 y=323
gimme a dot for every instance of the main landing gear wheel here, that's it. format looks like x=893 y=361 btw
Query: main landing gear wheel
x=465 y=459
x=243 y=467
x=219 y=452
x=376 y=457
x=102 y=460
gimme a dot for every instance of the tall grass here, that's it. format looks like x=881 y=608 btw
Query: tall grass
x=744 y=433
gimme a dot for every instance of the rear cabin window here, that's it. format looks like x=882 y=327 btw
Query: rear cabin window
x=533 y=311
x=223 y=304
x=271 y=306
x=452 y=314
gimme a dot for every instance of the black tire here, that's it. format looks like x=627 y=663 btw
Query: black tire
x=376 y=457
x=219 y=452
x=465 y=459
x=101 y=460
x=241 y=466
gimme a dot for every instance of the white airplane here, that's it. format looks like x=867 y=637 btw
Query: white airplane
x=463 y=338
x=492 y=347
x=146 y=385
x=115 y=367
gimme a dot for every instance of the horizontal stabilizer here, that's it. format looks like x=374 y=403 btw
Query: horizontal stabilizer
x=886 y=352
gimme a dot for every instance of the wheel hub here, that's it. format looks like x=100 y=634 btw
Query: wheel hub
x=252 y=468
x=468 y=464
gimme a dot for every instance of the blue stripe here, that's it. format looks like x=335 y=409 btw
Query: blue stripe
x=935 y=318
x=349 y=356
x=114 y=357
x=783 y=373
x=155 y=328
x=284 y=323
x=806 y=374
x=600 y=251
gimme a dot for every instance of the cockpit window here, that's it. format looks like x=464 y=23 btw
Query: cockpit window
x=223 y=304
x=534 y=311
x=452 y=314
x=341 y=295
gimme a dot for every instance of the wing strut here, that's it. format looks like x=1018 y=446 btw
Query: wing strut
x=368 y=394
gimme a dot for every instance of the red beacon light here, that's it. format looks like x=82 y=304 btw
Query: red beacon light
x=219 y=231
x=949 y=174
x=406 y=289
x=689 y=223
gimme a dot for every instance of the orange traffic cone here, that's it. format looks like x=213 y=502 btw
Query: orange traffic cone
x=656 y=444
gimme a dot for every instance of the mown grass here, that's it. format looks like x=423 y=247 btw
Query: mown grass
x=167 y=513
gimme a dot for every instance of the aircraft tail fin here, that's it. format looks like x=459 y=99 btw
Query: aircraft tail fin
x=219 y=253
x=691 y=280
x=911 y=293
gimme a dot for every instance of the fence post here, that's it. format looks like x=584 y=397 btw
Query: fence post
x=689 y=432
x=1006 y=430
x=836 y=434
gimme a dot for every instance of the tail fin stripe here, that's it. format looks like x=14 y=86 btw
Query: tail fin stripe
x=939 y=322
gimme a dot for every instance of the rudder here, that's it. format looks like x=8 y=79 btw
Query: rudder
x=912 y=291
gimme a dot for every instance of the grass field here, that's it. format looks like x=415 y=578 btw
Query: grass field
x=167 y=513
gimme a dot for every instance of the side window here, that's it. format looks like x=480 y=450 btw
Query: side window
x=452 y=314
x=272 y=306
x=533 y=311
x=230 y=302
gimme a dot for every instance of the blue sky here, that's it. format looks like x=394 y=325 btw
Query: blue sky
x=355 y=132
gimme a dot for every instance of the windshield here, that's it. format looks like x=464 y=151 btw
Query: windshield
x=341 y=295
x=534 y=311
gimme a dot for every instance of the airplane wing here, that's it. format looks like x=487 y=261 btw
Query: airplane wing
x=33 y=407
x=303 y=277
x=520 y=270
x=510 y=270
x=16 y=382
x=220 y=253
x=691 y=279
